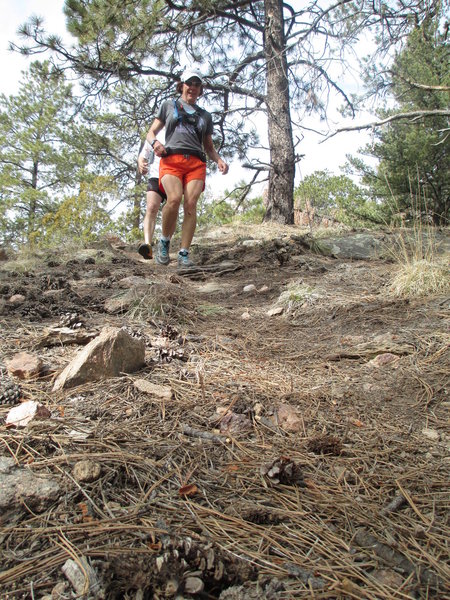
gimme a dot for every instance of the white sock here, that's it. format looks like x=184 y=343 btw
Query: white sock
x=165 y=238
x=183 y=251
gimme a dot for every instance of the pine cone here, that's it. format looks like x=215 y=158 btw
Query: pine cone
x=169 y=332
x=71 y=320
x=10 y=392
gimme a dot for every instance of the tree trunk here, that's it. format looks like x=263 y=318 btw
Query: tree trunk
x=137 y=197
x=32 y=209
x=282 y=159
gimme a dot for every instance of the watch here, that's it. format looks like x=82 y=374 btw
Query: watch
x=153 y=142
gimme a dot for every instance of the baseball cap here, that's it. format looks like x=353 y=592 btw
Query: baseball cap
x=190 y=74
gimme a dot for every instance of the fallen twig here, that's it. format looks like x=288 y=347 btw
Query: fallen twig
x=205 y=435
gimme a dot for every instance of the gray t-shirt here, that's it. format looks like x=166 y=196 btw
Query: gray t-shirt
x=186 y=126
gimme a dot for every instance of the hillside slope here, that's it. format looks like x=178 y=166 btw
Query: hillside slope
x=295 y=445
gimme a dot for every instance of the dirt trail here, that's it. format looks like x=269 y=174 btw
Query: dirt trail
x=302 y=455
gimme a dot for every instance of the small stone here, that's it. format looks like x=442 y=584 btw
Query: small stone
x=24 y=365
x=288 y=418
x=251 y=287
x=21 y=415
x=388 y=578
x=161 y=392
x=59 y=590
x=258 y=409
x=17 y=299
x=383 y=359
x=275 y=311
x=86 y=471
x=431 y=434
x=251 y=243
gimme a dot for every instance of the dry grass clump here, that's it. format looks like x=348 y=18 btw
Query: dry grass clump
x=209 y=309
x=418 y=278
x=163 y=300
x=421 y=259
x=21 y=265
x=31 y=260
x=296 y=295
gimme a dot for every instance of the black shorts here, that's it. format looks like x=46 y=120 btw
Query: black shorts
x=153 y=186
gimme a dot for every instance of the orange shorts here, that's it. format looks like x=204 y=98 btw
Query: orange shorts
x=185 y=167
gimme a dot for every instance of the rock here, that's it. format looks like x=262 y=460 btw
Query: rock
x=275 y=311
x=245 y=316
x=79 y=434
x=212 y=287
x=86 y=471
x=24 y=365
x=431 y=434
x=20 y=486
x=59 y=591
x=133 y=281
x=251 y=243
x=56 y=336
x=388 y=578
x=251 y=287
x=83 y=578
x=122 y=303
x=382 y=359
x=355 y=246
x=17 y=299
x=110 y=354
x=159 y=391
x=258 y=409
x=234 y=423
x=21 y=415
x=288 y=418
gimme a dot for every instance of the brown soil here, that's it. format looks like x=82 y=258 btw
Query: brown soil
x=348 y=499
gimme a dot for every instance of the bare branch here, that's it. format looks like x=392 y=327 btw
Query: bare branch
x=422 y=86
x=413 y=116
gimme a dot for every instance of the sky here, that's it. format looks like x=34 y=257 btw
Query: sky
x=328 y=155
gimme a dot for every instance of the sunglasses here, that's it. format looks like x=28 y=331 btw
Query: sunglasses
x=193 y=83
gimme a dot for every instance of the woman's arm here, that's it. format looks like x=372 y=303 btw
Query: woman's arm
x=212 y=153
x=155 y=128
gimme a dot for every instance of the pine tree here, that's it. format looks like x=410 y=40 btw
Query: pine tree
x=267 y=59
x=412 y=176
x=36 y=161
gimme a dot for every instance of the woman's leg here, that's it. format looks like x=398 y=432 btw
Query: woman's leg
x=192 y=191
x=174 y=192
x=153 y=204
